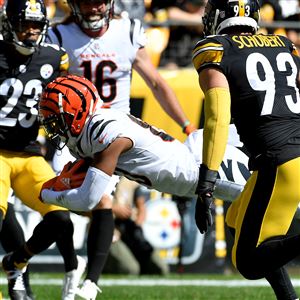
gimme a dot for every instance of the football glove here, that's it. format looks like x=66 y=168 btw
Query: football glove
x=205 y=188
x=71 y=176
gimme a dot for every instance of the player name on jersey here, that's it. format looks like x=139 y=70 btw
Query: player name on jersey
x=258 y=40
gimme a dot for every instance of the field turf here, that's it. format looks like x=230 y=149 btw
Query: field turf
x=173 y=287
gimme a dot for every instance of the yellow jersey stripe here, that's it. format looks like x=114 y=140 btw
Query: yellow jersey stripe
x=241 y=8
x=206 y=45
x=207 y=53
x=64 y=62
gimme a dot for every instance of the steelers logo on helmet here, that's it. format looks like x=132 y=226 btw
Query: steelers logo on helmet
x=222 y=14
x=65 y=105
x=20 y=17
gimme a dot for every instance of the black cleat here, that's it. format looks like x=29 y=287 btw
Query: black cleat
x=16 y=287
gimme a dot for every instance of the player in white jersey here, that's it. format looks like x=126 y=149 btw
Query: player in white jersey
x=145 y=154
x=107 y=61
x=105 y=50
x=112 y=141
x=115 y=142
x=106 y=53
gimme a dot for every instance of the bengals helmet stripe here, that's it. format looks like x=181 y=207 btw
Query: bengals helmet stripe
x=66 y=104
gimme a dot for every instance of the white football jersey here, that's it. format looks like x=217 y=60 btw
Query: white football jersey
x=156 y=159
x=106 y=60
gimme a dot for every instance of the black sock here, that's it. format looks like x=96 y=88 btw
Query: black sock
x=281 y=284
x=12 y=235
x=44 y=235
x=98 y=242
x=65 y=245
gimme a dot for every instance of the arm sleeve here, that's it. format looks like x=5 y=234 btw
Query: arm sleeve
x=216 y=126
x=84 y=198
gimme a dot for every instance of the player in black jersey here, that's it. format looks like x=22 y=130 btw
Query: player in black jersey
x=252 y=79
x=26 y=65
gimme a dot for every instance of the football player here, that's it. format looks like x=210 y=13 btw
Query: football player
x=27 y=64
x=253 y=79
x=114 y=143
x=105 y=50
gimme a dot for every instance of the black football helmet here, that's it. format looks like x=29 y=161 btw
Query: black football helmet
x=92 y=22
x=17 y=15
x=222 y=14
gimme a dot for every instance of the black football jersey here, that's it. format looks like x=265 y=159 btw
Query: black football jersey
x=262 y=73
x=22 y=79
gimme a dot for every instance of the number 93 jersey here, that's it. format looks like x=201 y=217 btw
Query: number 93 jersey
x=21 y=81
x=262 y=72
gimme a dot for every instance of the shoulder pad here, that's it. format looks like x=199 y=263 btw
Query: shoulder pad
x=207 y=51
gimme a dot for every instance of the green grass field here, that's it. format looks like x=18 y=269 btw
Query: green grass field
x=174 y=287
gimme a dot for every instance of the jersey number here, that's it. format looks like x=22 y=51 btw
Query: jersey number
x=12 y=88
x=100 y=80
x=268 y=84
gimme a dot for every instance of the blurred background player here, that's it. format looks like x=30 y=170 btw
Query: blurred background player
x=105 y=50
x=256 y=85
x=130 y=252
x=27 y=64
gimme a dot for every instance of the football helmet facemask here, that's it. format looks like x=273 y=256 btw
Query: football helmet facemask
x=18 y=16
x=222 y=14
x=91 y=22
x=65 y=105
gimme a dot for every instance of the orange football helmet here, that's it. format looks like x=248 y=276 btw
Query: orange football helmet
x=65 y=105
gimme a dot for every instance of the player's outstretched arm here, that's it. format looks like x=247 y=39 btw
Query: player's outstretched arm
x=88 y=194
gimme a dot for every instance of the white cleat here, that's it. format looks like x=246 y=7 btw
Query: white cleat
x=88 y=290
x=72 y=279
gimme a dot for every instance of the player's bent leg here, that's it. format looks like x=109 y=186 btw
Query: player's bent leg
x=36 y=172
x=263 y=250
x=12 y=238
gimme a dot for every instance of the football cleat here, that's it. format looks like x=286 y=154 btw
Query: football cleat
x=88 y=290
x=72 y=279
x=16 y=287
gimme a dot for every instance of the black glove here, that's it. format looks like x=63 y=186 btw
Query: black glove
x=205 y=188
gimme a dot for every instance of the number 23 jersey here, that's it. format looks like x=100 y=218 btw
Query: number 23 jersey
x=262 y=72
x=21 y=81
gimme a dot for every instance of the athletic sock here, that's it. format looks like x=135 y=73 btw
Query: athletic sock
x=98 y=242
x=281 y=284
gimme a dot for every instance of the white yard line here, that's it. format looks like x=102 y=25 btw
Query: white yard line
x=162 y=282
